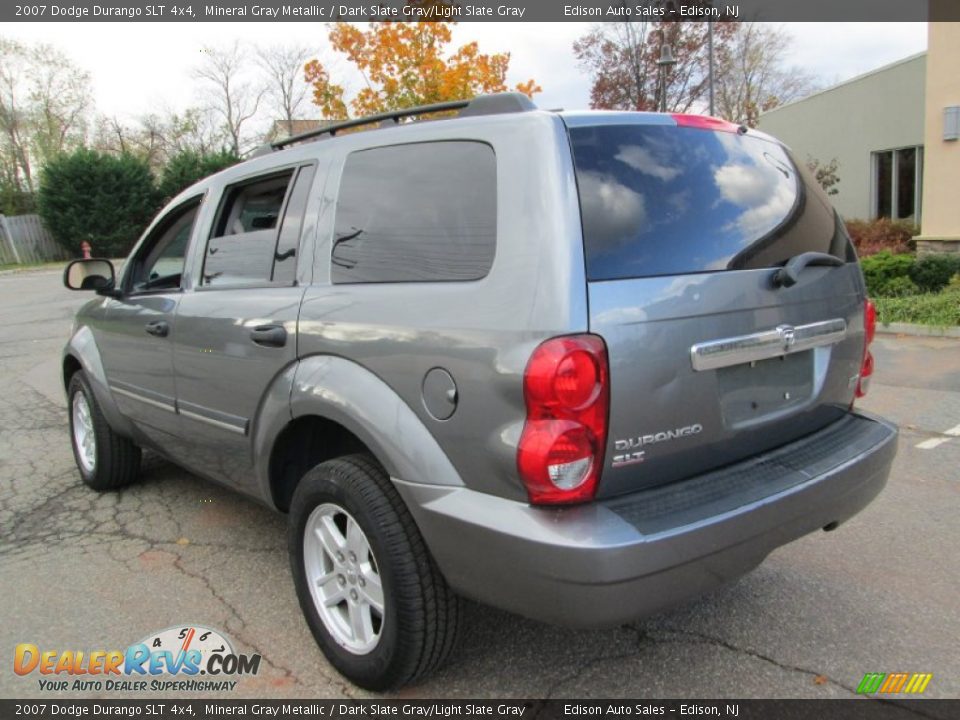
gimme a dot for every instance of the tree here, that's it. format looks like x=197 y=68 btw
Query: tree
x=621 y=58
x=188 y=166
x=44 y=103
x=104 y=199
x=235 y=100
x=284 y=67
x=825 y=174
x=751 y=77
x=158 y=137
x=405 y=64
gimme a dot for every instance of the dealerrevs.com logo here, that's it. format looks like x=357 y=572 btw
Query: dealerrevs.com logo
x=179 y=659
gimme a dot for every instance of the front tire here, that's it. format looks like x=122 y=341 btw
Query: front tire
x=373 y=597
x=106 y=461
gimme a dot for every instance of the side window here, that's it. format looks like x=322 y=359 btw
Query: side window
x=244 y=240
x=285 y=258
x=422 y=212
x=159 y=264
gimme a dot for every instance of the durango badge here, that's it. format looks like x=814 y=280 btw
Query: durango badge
x=630 y=451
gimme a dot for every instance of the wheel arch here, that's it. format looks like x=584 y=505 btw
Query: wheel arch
x=81 y=353
x=337 y=407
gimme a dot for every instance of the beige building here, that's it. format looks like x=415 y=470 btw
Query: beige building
x=873 y=127
x=940 y=228
x=893 y=133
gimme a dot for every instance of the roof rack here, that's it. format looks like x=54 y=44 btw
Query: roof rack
x=494 y=104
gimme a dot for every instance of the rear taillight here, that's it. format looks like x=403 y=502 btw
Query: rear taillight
x=567 y=393
x=869 y=330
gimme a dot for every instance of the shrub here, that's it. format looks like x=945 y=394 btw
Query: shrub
x=16 y=202
x=880 y=269
x=941 y=309
x=873 y=236
x=106 y=200
x=932 y=273
x=187 y=167
x=897 y=287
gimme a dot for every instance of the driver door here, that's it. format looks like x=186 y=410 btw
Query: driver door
x=136 y=338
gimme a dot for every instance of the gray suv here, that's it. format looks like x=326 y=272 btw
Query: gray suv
x=577 y=365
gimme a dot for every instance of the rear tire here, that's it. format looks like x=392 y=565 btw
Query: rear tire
x=106 y=461
x=349 y=505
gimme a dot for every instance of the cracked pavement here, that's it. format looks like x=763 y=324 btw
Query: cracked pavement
x=80 y=570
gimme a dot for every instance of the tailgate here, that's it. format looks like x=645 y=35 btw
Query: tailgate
x=701 y=375
x=710 y=362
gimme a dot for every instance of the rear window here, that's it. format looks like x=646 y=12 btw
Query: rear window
x=664 y=200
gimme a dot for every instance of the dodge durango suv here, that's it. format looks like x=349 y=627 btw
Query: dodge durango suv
x=576 y=365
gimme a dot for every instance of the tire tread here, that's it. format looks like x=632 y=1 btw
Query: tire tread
x=118 y=458
x=430 y=610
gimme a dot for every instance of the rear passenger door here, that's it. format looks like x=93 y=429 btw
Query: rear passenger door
x=236 y=329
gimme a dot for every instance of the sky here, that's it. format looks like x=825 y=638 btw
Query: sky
x=138 y=68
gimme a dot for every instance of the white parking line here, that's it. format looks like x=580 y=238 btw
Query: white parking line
x=955 y=431
x=932 y=443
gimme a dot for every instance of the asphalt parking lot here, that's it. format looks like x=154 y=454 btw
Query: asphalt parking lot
x=81 y=570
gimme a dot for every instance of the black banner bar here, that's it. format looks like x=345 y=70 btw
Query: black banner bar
x=178 y=709
x=479 y=11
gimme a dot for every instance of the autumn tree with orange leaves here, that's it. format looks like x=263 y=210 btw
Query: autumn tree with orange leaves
x=405 y=64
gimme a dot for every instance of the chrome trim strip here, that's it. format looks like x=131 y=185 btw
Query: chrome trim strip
x=782 y=340
x=215 y=423
x=140 y=398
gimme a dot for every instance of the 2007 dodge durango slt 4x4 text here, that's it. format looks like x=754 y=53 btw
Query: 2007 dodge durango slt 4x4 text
x=578 y=365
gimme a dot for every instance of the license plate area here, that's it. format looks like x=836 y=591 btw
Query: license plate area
x=765 y=389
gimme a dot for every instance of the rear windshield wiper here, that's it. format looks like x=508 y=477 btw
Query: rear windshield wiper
x=790 y=273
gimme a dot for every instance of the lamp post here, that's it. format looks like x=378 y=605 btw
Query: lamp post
x=710 y=63
x=666 y=60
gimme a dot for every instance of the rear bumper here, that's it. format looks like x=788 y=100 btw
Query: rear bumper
x=610 y=562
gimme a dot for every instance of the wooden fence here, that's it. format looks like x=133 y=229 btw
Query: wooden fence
x=24 y=240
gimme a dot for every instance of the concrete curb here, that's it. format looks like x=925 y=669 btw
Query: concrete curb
x=918 y=330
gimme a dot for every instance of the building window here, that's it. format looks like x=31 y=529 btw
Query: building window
x=897 y=176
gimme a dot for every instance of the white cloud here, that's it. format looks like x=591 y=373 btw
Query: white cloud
x=616 y=211
x=766 y=195
x=642 y=160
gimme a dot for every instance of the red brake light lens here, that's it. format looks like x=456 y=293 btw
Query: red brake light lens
x=565 y=388
x=869 y=321
x=869 y=331
x=705 y=122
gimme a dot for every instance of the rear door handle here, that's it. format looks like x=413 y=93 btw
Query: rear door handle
x=269 y=335
x=158 y=328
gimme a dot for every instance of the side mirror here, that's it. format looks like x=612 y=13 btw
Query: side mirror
x=91 y=274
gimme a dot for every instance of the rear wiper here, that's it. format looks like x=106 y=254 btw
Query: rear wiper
x=790 y=273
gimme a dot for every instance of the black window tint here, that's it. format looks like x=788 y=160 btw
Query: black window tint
x=420 y=212
x=159 y=265
x=285 y=259
x=242 y=247
x=664 y=200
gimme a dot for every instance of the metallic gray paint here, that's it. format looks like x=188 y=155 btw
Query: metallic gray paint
x=481 y=332
x=358 y=355
x=347 y=393
x=83 y=348
x=586 y=566
x=650 y=325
